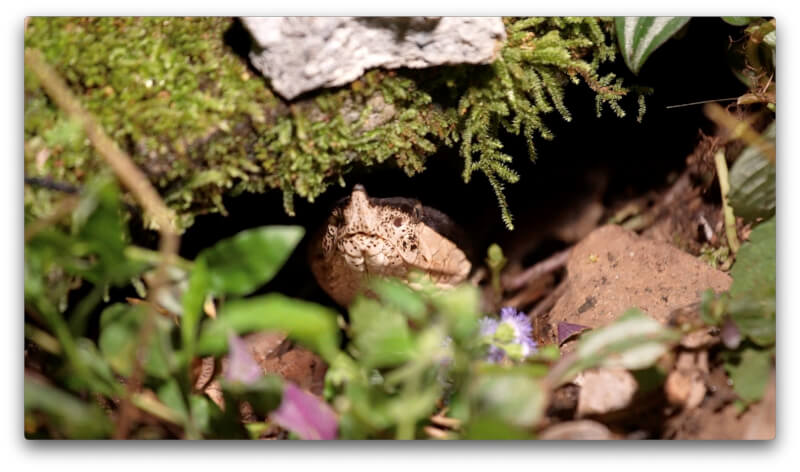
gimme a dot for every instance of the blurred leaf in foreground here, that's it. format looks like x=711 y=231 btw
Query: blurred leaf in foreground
x=66 y=414
x=634 y=341
x=749 y=371
x=754 y=271
x=752 y=181
x=120 y=325
x=307 y=323
x=242 y=263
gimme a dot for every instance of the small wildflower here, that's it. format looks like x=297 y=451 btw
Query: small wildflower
x=305 y=415
x=510 y=336
x=241 y=365
x=488 y=326
x=522 y=329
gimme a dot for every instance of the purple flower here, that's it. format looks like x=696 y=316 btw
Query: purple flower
x=520 y=332
x=522 y=329
x=488 y=326
x=241 y=365
x=305 y=415
x=518 y=321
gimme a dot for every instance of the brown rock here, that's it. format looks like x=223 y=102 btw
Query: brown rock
x=613 y=269
x=711 y=421
x=604 y=390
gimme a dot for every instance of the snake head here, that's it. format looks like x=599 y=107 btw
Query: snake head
x=372 y=236
x=367 y=236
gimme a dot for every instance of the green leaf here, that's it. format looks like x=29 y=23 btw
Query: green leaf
x=755 y=319
x=634 y=341
x=738 y=20
x=120 y=326
x=264 y=395
x=241 y=264
x=69 y=416
x=380 y=333
x=308 y=323
x=200 y=406
x=639 y=36
x=193 y=300
x=754 y=271
x=460 y=306
x=398 y=295
x=750 y=373
x=99 y=229
x=170 y=395
x=489 y=427
x=512 y=397
x=752 y=181
x=102 y=378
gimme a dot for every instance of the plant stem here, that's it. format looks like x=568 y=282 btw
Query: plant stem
x=727 y=210
x=143 y=191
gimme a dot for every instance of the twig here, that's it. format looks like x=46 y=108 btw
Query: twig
x=139 y=185
x=48 y=183
x=552 y=263
x=549 y=301
x=701 y=102
x=727 y=210
x=536 y=289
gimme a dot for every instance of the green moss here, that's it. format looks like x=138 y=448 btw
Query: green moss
x=174 y=96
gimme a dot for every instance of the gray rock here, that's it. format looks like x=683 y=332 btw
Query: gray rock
x=299 y=54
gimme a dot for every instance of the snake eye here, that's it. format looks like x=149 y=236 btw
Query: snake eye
x=398 y=222
x=337 y=218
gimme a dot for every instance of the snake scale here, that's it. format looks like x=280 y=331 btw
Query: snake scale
x=389 y=237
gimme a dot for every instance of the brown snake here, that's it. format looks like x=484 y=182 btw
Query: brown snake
x=366 y=237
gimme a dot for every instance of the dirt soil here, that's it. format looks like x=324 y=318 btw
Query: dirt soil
x=614 y=269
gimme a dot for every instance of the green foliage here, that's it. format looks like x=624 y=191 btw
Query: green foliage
x=233 y=267
x=634 y=341
x=754 y=271
x=752 y=181
x=750 y=306
x=120 y=325
x=185 y=107
x=308 y=323
x=526 y=83
x=66 y=415
x=407 y=352
x=640 y=36
x=749 y=370
x=94 y=248
x=738 y=20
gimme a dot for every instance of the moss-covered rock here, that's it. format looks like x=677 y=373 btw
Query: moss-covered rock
x=171 y=93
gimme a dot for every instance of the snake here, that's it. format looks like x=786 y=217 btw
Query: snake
x=367 y=237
